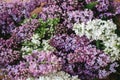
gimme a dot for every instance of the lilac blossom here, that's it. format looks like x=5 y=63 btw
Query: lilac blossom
x=66 y=43
x=25 y=31
x=17 y=72
x=87 y=62
x=34 y=65
x=42 y=63
x=8 y=56
x=10 y=15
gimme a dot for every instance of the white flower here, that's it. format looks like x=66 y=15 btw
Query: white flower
x=56 y=76
x=35 y=39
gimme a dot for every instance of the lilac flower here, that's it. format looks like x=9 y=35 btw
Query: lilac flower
x=25 y=31
x=8 y=52
x=89 y=55
x=41 y=63
x=8 y=56
x=17 y=72
x=66 y=43
x=86 y=62
x=34 y=65
x=112 y=69
x=10 y=15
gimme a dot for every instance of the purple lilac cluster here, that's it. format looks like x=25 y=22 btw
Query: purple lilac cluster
x=25 y=31
x=42 y=63
x=16 y=72
x=104 y=8
x=65 y=11
x=13 y=13
x=8 y=56
x=86 y=61
x=10 y=15
x=9 y=52
x=71 y=11
x=34 y=65
x=68 y=43
x=81 y=58
x=89 y=55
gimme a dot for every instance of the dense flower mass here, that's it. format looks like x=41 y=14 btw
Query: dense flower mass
x=8 y=48
x=101 y=30
x=70 y=11
x=79 y=57
x=8 y=56
x=86 y=61
x=41 y=63
x=34 y=65
x=10 y=16
x=59 y=39
x=66 y=43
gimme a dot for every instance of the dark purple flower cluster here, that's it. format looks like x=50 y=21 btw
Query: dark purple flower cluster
x=10 y=16
x=9 y=49
x=16 y=72
x=79 y=57
x=68 y=43
x=34 y=65
x=89 y=55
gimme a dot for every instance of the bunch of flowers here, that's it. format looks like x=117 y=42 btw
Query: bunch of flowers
x=81 y=58
x=34 y=65
x=11 y=14
x=40 y=39
x=101 y=30
x=47 y=46
x=70 y=11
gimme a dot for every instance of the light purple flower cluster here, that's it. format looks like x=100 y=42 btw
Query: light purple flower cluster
x=42 y=63
x=65 y=11
x=16 y=72
x=34 y=65
x=8 y=56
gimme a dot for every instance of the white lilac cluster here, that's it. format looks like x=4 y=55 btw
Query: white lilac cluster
x=101 y=30
x=35 y=44
x=56 y=76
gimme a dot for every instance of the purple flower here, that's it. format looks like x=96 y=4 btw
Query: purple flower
x=41 y=63
x=66 y=43
x=10 y=15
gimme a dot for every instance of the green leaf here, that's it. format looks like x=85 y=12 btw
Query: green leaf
x=91 y=5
